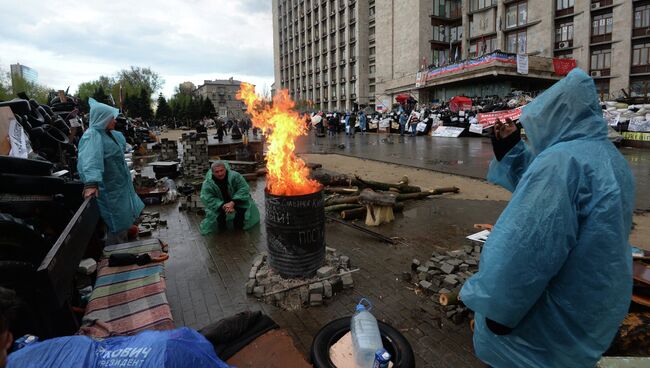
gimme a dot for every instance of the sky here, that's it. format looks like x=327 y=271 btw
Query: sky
x=69 y=43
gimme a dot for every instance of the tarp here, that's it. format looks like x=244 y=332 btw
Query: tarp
x=459 y=103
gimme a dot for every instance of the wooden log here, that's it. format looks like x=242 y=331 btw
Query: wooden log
x=360 y=213
x=250 y=177
x=342 y=200
x=333 y=180
x=376 y=185
x=368 y=196
x=341 y=190
x=261 y=171
x=448 y=298
x=341 y=207
x=421 y=195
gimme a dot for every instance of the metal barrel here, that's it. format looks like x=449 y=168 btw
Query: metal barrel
x=295 y=230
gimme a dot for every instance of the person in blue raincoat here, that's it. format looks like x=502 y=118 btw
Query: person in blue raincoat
x=555 y=276
x=105 y=174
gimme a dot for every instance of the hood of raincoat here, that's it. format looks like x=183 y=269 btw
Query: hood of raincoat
x=567 y=111
x=101 y=114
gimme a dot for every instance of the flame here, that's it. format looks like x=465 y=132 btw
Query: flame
x=287 y=174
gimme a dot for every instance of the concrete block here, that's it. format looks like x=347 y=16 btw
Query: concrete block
x=424 y=284
x=429 y=265
x=252 y=273
x=468 y=249
x=347 y=280
x=454 y=262
x=344 y=261
x=423 y=276
x=450 y=282
x=456 y=253
x=477 y=249
x=422 y=269
x=258 y=291
x=463 y=267
x=250 y=284
x=327 y=289
x=325 y=271
x=471 y=262
x=316 y=288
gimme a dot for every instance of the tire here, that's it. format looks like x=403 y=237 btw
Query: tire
x=24 y=166
x=20 y=242
x=27 y=184
x=394 y=342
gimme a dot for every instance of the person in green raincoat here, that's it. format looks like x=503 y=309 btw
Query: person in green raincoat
x=226 y=196
x=105 y=174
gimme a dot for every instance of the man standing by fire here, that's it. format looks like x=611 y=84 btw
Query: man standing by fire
x=226 y=196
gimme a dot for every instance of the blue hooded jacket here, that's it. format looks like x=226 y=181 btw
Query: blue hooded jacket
x=557 y=267
x=101 y=163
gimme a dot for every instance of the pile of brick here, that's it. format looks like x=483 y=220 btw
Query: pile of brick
x=168 y=150
x=191 y=203
x=445 y=273
x=292 y=294
x=195 y=155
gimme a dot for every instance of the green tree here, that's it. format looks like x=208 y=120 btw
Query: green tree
x=36 y=91
x=100 y=95
x=5 y=85
x=207 y=109
x=146 y=112
x=163 y=111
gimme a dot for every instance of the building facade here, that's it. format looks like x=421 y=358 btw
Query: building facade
x=322 y=51
x=340 y=52
x=222 y=93
x=25 y=72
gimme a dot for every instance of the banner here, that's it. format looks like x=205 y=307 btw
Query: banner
x=495 y=57
x=489 y=118
x=563 y=66
x=420 y=79
x=522 y=64
x=447 y=132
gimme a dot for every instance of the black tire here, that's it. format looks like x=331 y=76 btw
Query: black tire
x=20 y=242
x=28 y=184
x=394 y=342
x=18 y=106
x=24 y=166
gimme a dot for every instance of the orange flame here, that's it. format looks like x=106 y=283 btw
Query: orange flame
x=287 y=174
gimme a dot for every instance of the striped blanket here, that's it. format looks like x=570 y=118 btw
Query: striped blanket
x=128 y=299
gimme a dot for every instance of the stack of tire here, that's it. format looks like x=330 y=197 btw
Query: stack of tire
x=47 y=131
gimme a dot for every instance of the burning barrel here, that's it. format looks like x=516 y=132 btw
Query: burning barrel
x=295 y=230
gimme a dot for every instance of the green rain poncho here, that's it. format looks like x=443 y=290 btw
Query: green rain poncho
x=213 y=200
x=101 y=163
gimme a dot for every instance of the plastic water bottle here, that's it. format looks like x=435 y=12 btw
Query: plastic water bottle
x=366 y=339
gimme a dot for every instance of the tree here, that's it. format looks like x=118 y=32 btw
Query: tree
x=100 y=95
x=207 y=109
x=5 y=85
x=146 y=112
x=138 y=77
x=163 y=111
x=37 y=91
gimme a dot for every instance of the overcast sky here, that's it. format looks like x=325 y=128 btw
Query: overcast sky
x=70 y=42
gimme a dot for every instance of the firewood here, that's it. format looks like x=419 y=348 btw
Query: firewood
x=361 y=212
x=342 y=190
x=438 y=191
x=376 y=185
x=341 y=207
x=342 y=200
x=448 y=298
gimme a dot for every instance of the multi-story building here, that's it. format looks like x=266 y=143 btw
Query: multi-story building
x=370 y=51
x=222 y=93
x=321 y=51
x=24 y=72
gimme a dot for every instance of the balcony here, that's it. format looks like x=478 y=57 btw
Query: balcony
x=333 y=64
x=601 y=38
x=342 y=62
x=353 y=78
x=641 y=32
x=342 y=44
x=353 y=40
x=343 y=80
x=353 y=20
x=640 y=69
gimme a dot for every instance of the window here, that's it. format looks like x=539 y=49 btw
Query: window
x=602 y=24
x=640 y=54
x=371 y=51
x=475 y=5
x=564 y=4
x=564 y=32
x=640 y=86
x=516 y=15
x=447 y=8
x=371 y=11
x=601 y=59
x=343 y=89
x=440 y=57
x=642 y=16
x=516 y=42
x=371 y=69
x=482 y=46
x=602 y=86
x=371 y=89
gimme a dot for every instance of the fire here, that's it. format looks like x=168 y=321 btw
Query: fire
x=287 y=174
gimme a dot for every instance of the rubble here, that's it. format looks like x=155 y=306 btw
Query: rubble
x=292 y=294
x=445 y=273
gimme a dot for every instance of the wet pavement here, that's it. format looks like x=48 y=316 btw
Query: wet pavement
x=206 y=275
x=461 y=156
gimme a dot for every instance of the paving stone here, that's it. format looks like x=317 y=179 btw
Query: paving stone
x=422 y=269
x=429 y=265
x=325 y=271
x=456 y=253
x=315 y=299
x=250 y=284
x=471 y=262
x=347 y=280
x=252 y=273
x=344 y=261
x=425 y=284
x=258 y=291
x=447 y=268
x=450 y=282
x=444 y=291
x=463 y=267
x=316 y=288
x=468 y=249
x=423 y=276
x=477 y=249
x=327 y=289
x=415 y=264
x=454 y=262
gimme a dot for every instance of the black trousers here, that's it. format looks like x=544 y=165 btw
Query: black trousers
x=238 y=222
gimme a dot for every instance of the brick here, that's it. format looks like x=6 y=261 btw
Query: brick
x=316 y=288
x=258 y=291
x=315 y=299
x=422 y=269
x=347 y=280
x=450 y=281
x=424 y=284
x=477 y=249
x=456 y=253
x=415 y=264
x=447 y=268
x=252 y=273
x=471 y=262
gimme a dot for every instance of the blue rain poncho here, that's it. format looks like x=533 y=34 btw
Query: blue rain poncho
x=101 y=163
x=557 y=267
